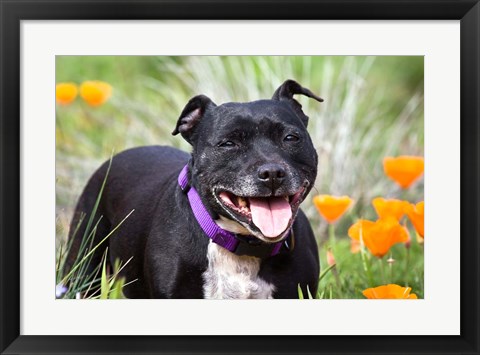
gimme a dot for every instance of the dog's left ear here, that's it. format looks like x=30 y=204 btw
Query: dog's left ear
x=285 y=93
x=191 y=115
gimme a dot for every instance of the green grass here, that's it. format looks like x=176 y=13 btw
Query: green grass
x=352 y=278
x=373 y=108
x=79 y=282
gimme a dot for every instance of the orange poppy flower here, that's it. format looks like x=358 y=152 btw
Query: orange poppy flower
x=390 y=208
x=332 y=207
x=404 y=170
x=96 y=92
x=415 y=213
x=379 y=236
x=390 y=291
x=65 y=93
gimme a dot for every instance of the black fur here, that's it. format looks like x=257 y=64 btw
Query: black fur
x=232 y=143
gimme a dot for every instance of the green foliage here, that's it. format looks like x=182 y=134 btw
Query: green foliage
x=300 y=292
x=354 y=279
x=104 y=285
x=79 y=281
x=111 y=286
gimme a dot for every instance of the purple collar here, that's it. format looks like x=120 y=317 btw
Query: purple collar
x=237 y=244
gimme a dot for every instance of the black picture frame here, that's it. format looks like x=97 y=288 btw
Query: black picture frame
x=13 y=12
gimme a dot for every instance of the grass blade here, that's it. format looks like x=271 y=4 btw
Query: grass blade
x=300 y=292
x=310 y=297
x=325 y=272
x=105 y=287
x=96 y=247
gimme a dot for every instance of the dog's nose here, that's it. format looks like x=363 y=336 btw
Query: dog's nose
x=271 y=174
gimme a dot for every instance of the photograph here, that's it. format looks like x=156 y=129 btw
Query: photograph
x=239 y=177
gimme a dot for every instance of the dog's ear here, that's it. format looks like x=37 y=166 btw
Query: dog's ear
x=191 y=115
x=285 y=93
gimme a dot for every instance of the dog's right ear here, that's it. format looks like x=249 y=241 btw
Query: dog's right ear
x=191 y=115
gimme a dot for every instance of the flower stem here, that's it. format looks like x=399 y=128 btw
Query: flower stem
x=390 y=265
x=331 y=234
x=407 y=262
x=366 y=261
x=382 y=270
x=367 y=267
x=337 y=281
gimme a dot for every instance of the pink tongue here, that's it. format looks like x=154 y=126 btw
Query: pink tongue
x=271 y=215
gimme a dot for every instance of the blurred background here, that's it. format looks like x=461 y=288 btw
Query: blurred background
x=373 y=108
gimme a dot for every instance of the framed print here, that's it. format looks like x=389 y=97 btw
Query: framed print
x=385 y=112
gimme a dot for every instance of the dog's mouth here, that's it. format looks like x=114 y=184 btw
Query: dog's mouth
x=268 y=218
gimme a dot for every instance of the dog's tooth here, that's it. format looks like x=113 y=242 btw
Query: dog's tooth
x=286 y=198
x=242 y=202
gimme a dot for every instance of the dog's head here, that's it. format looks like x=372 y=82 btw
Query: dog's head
x=252 y=162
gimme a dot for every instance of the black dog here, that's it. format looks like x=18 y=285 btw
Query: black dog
x=223 y=222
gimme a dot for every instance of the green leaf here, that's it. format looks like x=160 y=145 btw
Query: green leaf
x=310 y=297
x=116 y=292
x=116 y=270
x=59 y=263
x=300 y=293
x=325 y=272
x=95 y=248
x=87 y=233
x=104 y=286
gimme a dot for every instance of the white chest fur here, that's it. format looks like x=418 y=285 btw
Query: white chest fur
x=230 y=276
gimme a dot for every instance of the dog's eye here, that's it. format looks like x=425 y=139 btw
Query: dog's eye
x=227 y=144
x=291 y=138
